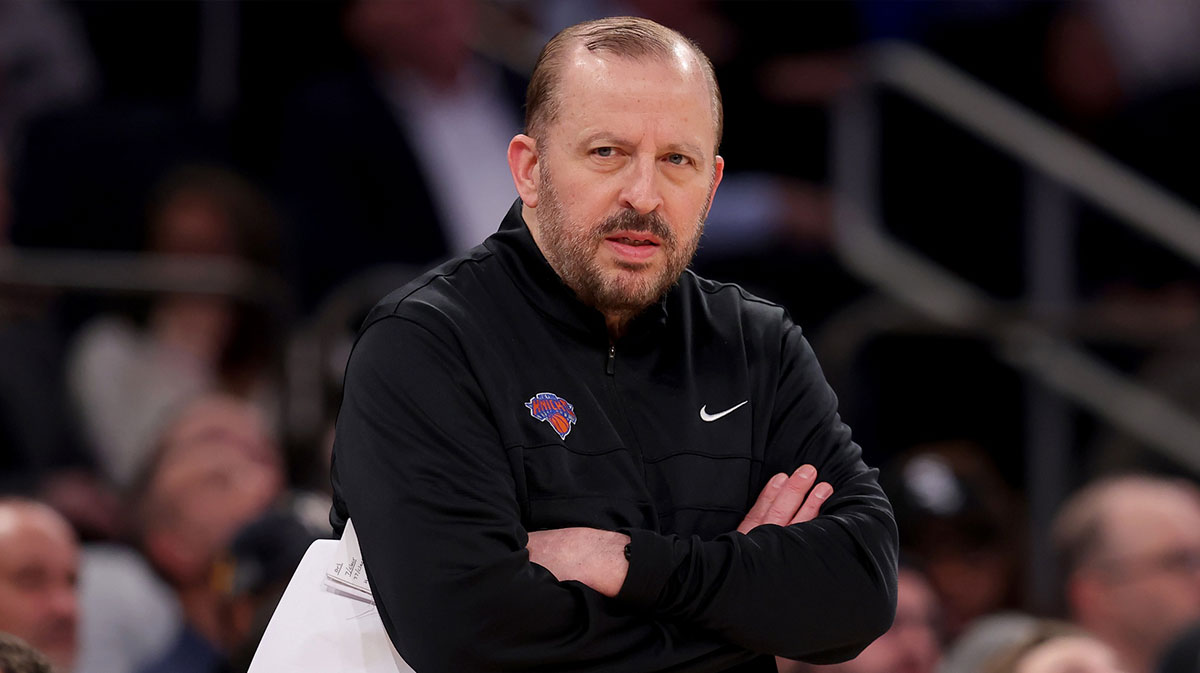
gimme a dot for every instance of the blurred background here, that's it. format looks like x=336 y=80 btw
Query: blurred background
x=983 y=214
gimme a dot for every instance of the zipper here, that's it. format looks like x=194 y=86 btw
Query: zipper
x=625 y=429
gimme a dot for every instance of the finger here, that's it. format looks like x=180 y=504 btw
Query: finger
x=791 y=496
x=756 y=514
x=812 y=504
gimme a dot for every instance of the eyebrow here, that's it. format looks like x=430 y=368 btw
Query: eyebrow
x=605 y=136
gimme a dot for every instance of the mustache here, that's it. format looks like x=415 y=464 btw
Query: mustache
x=631 y=220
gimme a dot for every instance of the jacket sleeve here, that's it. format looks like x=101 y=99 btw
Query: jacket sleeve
x=820 y=591
x=424 y=475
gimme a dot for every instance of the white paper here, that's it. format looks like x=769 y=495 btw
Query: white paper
x=315 y=629
x=346 y=571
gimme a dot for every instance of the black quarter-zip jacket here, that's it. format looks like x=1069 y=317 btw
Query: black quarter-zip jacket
x=483 y=401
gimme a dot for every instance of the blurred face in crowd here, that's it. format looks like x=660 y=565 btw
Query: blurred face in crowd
x=39 y=563
x=219 y=471
x=1069 y=654
x=193 y=224
x=912 y=645
x=1143 y=589
x=619 y=184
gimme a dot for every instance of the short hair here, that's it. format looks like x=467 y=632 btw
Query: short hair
x=628 y=36
x=17 y=656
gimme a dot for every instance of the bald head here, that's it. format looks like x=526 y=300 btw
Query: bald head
x=623 y=37
x=39 y=563
x=216 y=467
x=1130 y=547
x=1118 y=514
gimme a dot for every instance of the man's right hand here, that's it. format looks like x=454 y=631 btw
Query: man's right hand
x=786 y=500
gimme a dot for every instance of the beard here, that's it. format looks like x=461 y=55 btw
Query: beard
x=573 y=248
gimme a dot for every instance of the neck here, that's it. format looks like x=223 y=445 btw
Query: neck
x=618 y=324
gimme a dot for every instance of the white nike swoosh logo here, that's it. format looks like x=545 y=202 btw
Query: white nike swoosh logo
x=709 y=418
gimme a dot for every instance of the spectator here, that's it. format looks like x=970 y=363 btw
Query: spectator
x=126 y=377
x=374 y=161
x=1130 y=550
x=216 y=468
x=16 y=656
x=912 y=645
x=256 y=569
x=960 y=521
x=39 y=561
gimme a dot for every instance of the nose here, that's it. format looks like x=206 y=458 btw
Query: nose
x=641 y=189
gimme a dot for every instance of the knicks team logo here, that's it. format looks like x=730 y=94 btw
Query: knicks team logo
x=556 y=411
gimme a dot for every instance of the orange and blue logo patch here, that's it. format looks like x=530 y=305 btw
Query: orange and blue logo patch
x=552 y=409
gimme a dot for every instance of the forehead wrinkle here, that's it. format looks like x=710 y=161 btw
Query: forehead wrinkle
x=600 y=135
x=636 y=89
x=685 y=148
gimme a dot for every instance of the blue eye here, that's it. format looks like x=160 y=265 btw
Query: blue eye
x=603 y=151
x=677 y=159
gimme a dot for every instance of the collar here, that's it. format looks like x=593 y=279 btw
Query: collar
x=523 y=261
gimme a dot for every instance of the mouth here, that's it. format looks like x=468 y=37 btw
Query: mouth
x=634 y=238
x=633 y=246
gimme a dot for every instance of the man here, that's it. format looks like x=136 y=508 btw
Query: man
x=1130 y=549
x=39 y=561
x=216 y=468
x=564 y=452
x=388 y=148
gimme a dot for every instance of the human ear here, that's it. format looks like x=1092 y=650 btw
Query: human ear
x=524 y=165
x=718 y=173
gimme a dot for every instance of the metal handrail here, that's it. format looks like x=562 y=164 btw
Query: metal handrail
x=1081 y=167
x=1029 y=345
x=112 y=272
x=873 y=254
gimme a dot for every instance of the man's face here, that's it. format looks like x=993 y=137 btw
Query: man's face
x=39 y=562
x=213 y=487
x=625 y=176
x=1152 y=582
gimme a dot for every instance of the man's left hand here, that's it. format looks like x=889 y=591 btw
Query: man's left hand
x=588 y=555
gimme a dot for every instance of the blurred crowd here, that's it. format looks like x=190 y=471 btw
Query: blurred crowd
x=188 y=188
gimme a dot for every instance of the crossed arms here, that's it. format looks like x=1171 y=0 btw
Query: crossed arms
x=449 y=559
x=597 y=557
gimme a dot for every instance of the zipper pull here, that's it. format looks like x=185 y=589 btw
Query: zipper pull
x=612 y=358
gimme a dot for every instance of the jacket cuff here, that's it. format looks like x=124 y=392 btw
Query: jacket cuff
x=650 y=565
